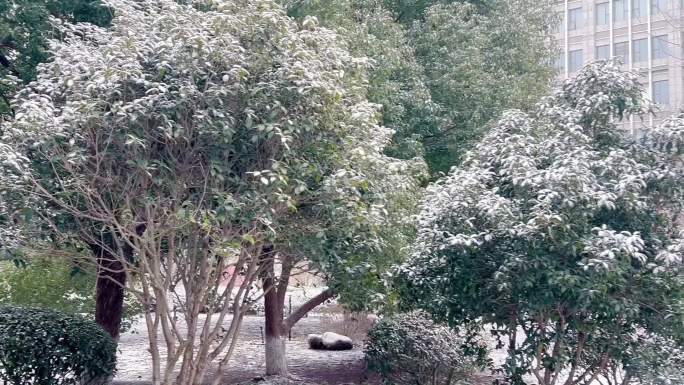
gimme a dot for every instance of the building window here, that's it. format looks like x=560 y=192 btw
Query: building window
x=621 y=50
x=602 y=52
x=574 y=19
x=658 y=6
x=661 y=92
x=660 y=48
x=575 y=62
x=602 y=14
x=639 y=9
x=639 y=50
x=620 y=10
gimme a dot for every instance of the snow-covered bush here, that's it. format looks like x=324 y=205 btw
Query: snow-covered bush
x=412 y=349
x=658 y=361
x=560 y=226
x=47 y=347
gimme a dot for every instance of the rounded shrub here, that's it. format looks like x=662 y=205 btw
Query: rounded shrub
x=47 y=347
x=411 y=349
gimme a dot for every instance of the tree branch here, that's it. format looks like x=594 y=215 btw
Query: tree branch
x=325 y=295
x=576 y=359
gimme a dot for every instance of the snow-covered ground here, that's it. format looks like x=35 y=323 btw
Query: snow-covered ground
x=134 y=362
x=312 y=366
x=134 y=359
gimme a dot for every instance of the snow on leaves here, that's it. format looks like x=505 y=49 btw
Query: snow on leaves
x=558 y=217
x=550 y=175
x=231 y=124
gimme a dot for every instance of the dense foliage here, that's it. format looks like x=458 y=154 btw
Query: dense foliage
x=396 y=78
x=58 y=282
x=25 y=27
x=560 y=227
x=176 y=140
x=47 y=347
x=50 y=282
x=438 y=79
x=478 y=64
x=656 y=360
x=443 y=69
x=412 y=349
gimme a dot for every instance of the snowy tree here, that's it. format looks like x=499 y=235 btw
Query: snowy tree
x=396 y=77
x=186 y=142
x=560 y=226
x=397 y=81
x=349 y=234
x=442 y=69
x=9 y=231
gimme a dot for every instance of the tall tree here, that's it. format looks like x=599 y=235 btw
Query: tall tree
x=480 y=61
x=349 y=234
x=186 y=141
x=560 y=225
x=396 y=78
x=399 y=83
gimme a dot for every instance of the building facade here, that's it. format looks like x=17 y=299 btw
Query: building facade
x=646 y=35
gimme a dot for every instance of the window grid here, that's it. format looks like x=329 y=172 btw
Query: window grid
x=621 y=50
x=602 y=14
x=574 y=19
x=620 y=10
x=639 y=50
x=575 y=62
x=639 y=9
x=603 y=52
x=658 y=6
x=661 y=92
x=660 y=47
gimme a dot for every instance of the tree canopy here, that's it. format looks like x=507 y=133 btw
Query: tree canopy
x=560 y=225
x=442 y=70
x=197 y=138
x=202 y=153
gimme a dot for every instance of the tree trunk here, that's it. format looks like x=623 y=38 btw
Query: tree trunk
x=109 y=295
x=276 y=326
x=111 y=280
x=110 y=298
x=276 y=358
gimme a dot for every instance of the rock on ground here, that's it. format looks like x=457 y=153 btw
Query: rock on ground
x=334 y=341
x=329 y=341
